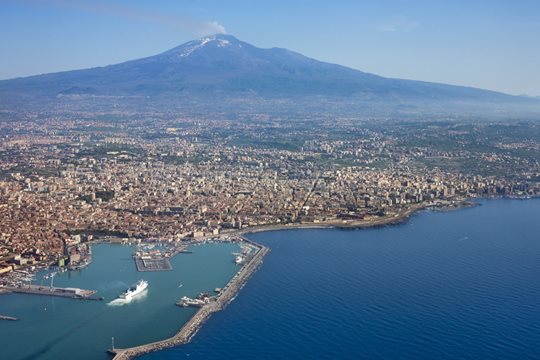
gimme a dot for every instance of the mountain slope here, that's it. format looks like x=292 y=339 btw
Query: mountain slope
x=223 y=65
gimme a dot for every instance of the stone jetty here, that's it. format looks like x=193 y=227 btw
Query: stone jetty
x=191 y=327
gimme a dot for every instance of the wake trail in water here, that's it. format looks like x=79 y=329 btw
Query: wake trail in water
x=118 y=302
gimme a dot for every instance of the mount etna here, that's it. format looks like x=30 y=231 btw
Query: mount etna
x=221 y=69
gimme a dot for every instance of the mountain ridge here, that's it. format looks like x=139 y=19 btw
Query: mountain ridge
x=222 y=65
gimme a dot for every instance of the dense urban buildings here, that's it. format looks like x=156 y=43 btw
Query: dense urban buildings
x=170 y=177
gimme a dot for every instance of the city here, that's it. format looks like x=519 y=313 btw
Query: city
x=269 y=180
x=180 y=180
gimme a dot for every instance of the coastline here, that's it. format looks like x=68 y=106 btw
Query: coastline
x=189 y=329
x=192 y=326
x=399 y=218
x=329 y=273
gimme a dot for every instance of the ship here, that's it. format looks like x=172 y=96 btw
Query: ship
x=134 y=290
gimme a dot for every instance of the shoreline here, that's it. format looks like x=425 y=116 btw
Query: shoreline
x=399 y=218
x=190 y=328
x=229 y=292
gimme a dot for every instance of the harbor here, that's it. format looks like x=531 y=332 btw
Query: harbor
x=155 y=260
x=208 y=265
x=208 y=306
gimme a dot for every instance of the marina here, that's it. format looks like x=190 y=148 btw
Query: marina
x=147 y=258
x=206 y=306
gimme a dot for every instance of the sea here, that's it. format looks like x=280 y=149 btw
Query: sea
x=52 y=328
x=463 y=284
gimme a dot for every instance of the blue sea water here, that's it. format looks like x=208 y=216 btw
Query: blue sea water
x=446 y=285
x=52 y=328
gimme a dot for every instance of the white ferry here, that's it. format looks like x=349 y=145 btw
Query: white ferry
x=134 y=290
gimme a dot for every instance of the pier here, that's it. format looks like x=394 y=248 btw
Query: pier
x=74 y=293
x=217 y=303
x=158 y=261
x=161 y=264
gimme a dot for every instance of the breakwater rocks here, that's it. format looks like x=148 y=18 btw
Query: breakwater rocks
x=191 y=327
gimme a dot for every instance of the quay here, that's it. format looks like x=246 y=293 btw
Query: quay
x=147 y=264
x=217 y=303
x=74 y=293
x=157 y=262
x=9 y=318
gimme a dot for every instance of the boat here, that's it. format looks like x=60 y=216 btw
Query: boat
x=239 y=259
x=185 y=302
x=134 y=290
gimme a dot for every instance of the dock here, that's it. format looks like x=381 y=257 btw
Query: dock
x=203 y=313
x=146 y=261
x=74 y=293
x=161 y=264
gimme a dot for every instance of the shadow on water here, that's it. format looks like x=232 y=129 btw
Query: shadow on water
x=51 y=344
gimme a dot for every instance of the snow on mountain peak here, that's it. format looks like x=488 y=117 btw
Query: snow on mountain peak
x=195 y=45
x=223 y=43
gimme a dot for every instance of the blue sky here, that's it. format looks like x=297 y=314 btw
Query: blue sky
x=488 y=44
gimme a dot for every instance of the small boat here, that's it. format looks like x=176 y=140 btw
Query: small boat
x=185 y=302
x=239 y=260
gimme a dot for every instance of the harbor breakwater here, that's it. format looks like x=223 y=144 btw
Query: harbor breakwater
x=190 y=328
